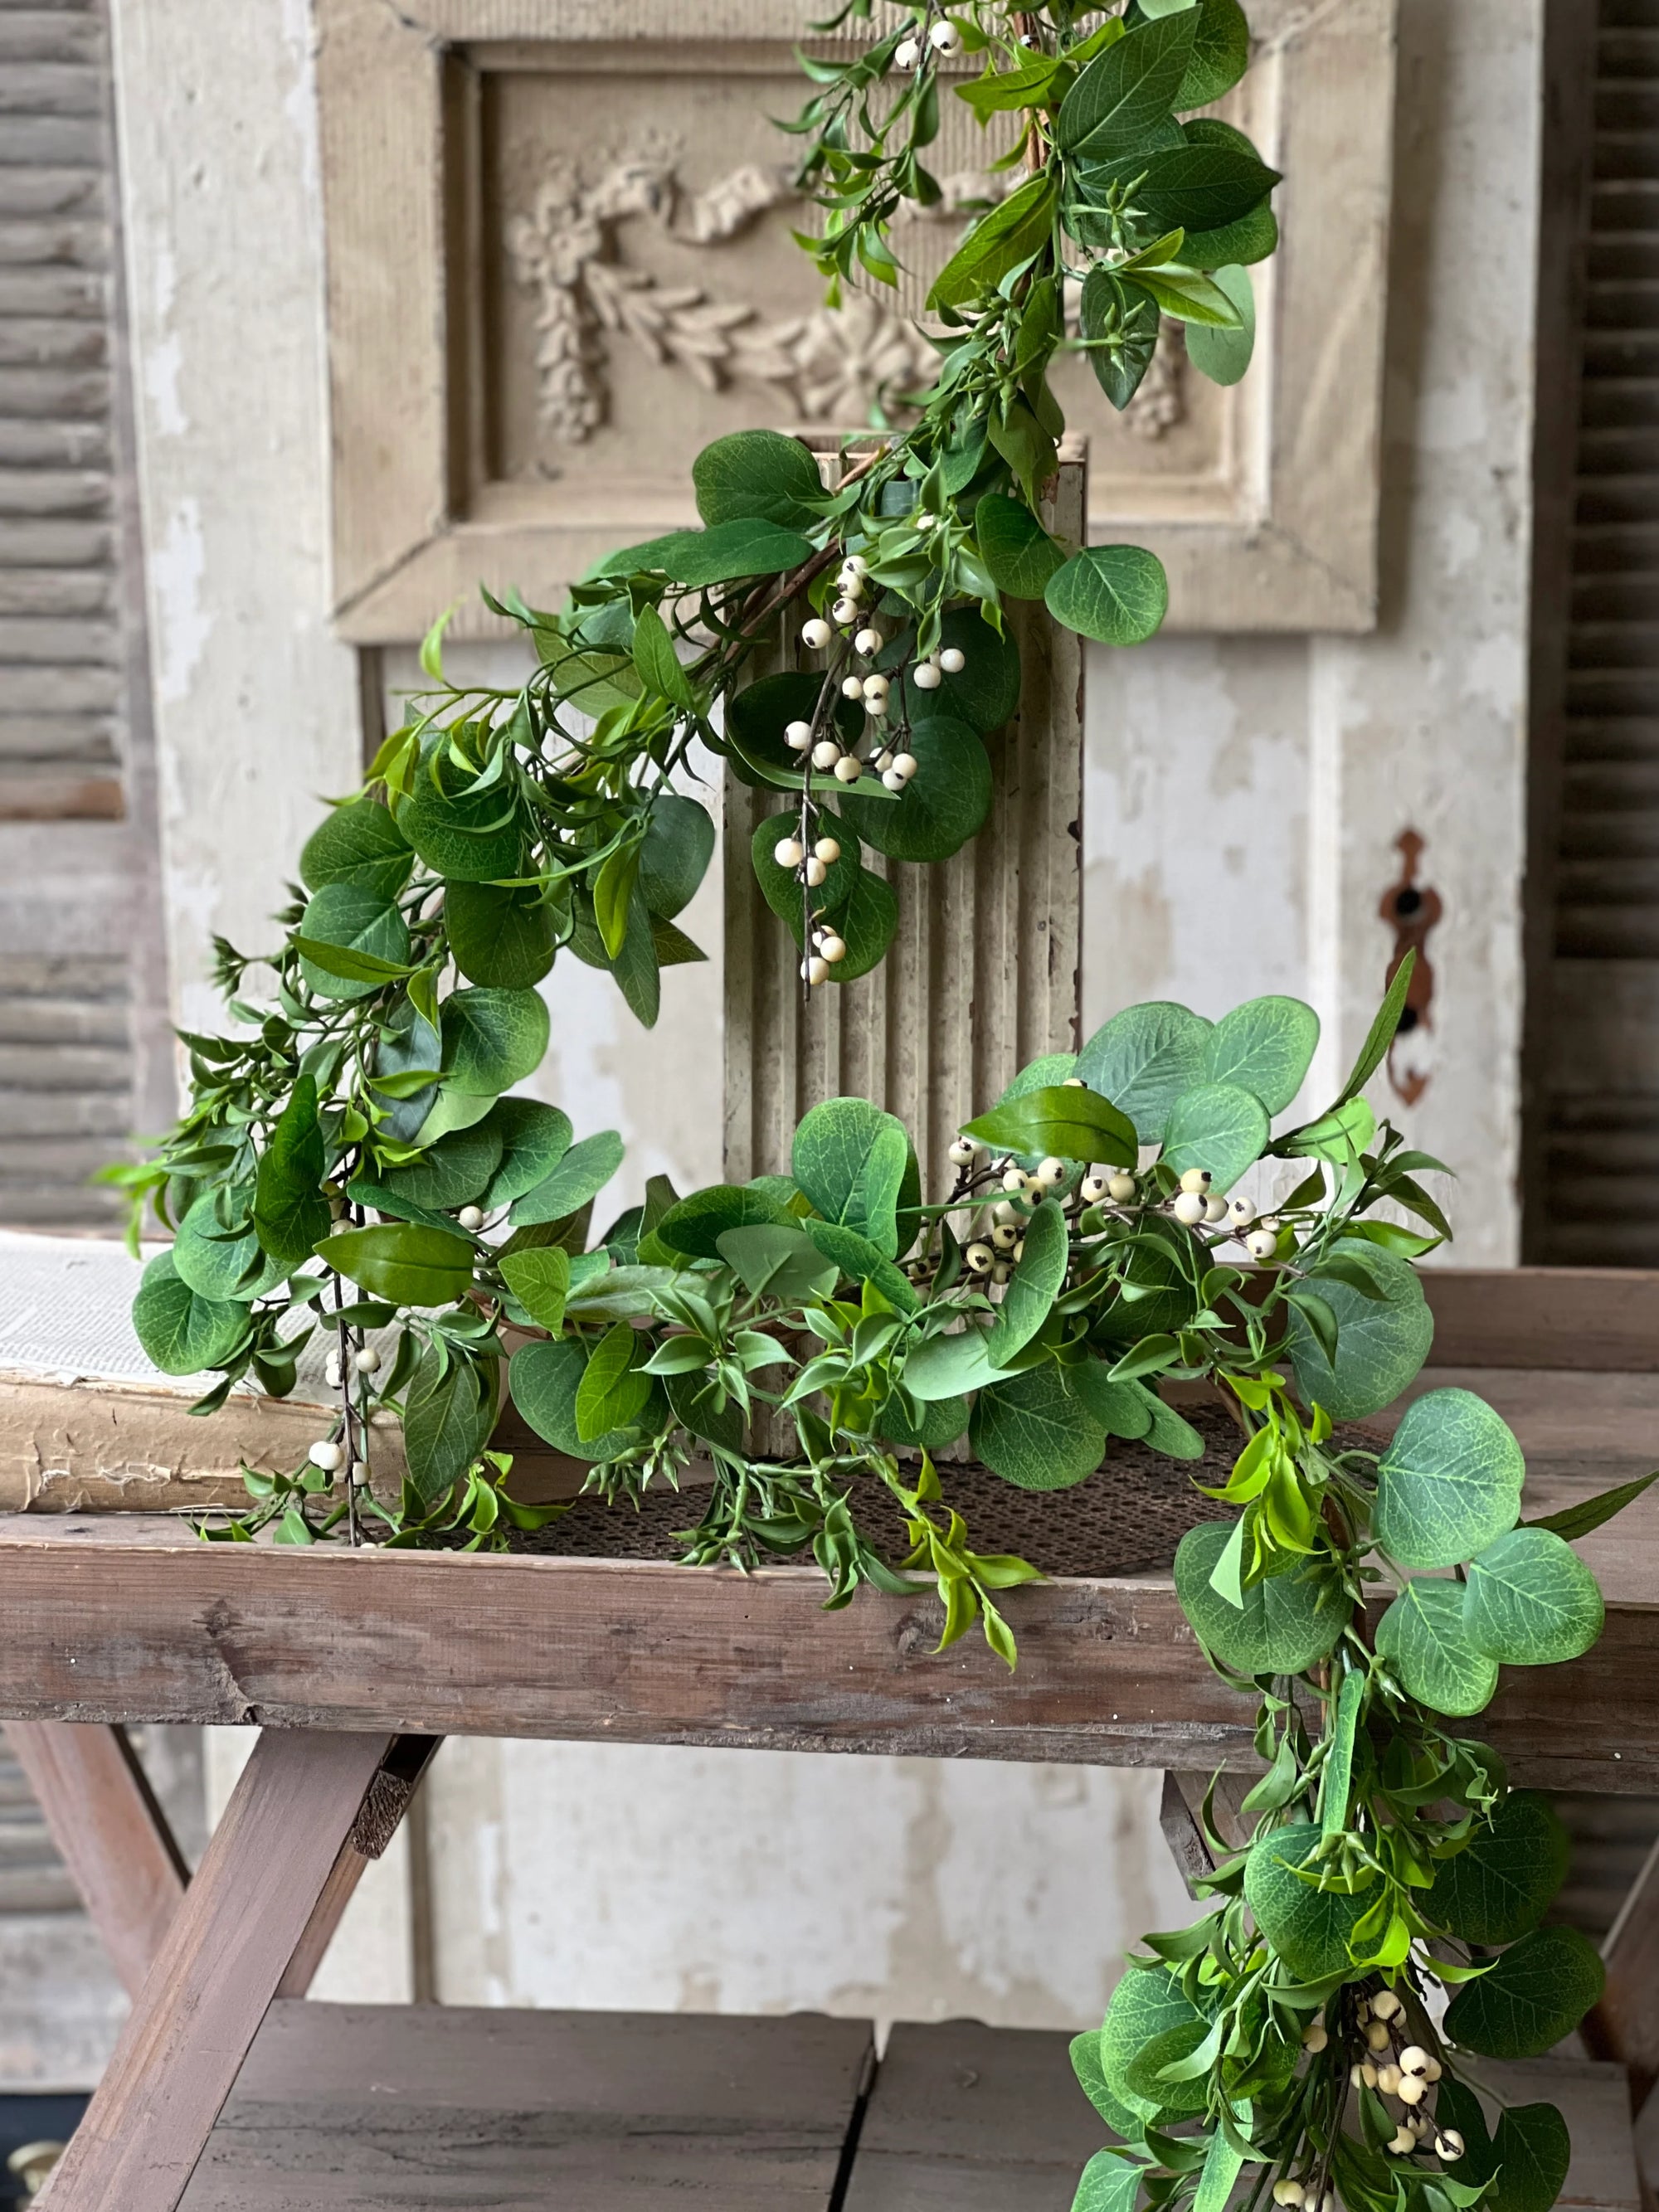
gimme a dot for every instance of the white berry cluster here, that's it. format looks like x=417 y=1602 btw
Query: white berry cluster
x=1407 y=2076
x=942 y=38
x=1195 y=1203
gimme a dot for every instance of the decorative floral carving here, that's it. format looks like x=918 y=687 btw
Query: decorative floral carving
x=834 y=362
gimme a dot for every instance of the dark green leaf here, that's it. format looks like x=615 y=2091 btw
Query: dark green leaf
x=657 y=663
x=860 y=1261
x=1380 y=1035
x=1504 y=1879
x=693 y=1228
x=465 y=837
x=1535 y=1994
x=501 y=938
x=615 y=1387
x=1114 y=307
x=359 y=844
x=850 y=1159
x=984 y=692
x=1068 y=1121
x=492 y=1039
x=534 y=1139
x=447 y=1422
x=582 y=1172
x=1381 y=1345
x=404 y=1263
x=1011 y=233
x=1032 y=1431
x=180 y=1332
x=945 y=803
x=348 y=920
x=1124 y=94
x=675 y=850
x=290 y=1210
x=454 y=1171
x=1034 y=1285
x=1253 y=238
x=758 y=476
x=725 y=553
x=1308 y=1928
x=1287 y=1624
x=1220 y=55
x=1014 y=546
x=543 y=1379
x=1573 y=1521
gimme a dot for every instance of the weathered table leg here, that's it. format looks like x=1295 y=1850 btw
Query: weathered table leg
x=270 y=1889
x=110 y=1833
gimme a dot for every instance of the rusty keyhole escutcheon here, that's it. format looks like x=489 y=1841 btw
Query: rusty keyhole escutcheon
x=1411 y=910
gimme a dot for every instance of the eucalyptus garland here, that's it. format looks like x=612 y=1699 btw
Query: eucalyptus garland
x=355 y=1160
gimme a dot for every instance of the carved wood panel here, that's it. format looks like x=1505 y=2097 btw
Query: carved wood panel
x=560 y=261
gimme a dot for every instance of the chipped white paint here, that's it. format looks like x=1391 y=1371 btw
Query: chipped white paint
x=257 y=709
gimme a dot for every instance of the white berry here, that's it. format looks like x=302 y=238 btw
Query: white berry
x=924 y=521
x=1215 y=1209
x=891 y=782
x=1074 y=1082
x=953 y=660
x=1052 y=1171
x=868 y=641
x=1448 y=2145
x=834 y=948
x=855 y=565
x=1384 y=2006
x=884 y=760
x=360 y=1473
x=816 y=634
x=852 y=687
x=1378 y=2036
x=1122 y=1188
x=1315 y=2037
x=825 y=754
x=787 y=853
x=816 y=970
x=1261 y=1244
x=876 y=705
x=331 y=1371
x=1388 y=2080
x=945 y=39
x=1413 y=2089
x=980 y=1258
x=1413 y=2059
x=926 y=676
x=844 y=612
x=875 y=687
x=797 y=736
x=470 y=1218
x=1013 y=1179
x=1241 y=1211
x=1287 y=2192
x=826 y=849
x=1189 y=1208
x=849 y=769
x=1093 y=1189
x=1000 y=1272
x=325 y=1454
x=1005 y=1236
x=1196 y=1179
x=815 y=871
x=366 y=1361
x=1003 y=1212
x=907 y=54
x=963 y=1153
x=905 y=764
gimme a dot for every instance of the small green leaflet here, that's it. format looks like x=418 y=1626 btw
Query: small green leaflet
x=540 y=1280
x=1067 y=1122
x=1117 y=594
x=998 y=242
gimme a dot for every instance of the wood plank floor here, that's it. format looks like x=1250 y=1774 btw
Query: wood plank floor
x=409 y=2109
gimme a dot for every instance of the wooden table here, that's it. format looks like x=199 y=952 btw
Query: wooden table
x=356 y=1664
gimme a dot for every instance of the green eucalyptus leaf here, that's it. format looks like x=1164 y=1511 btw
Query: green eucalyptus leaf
x=1530 y=1997
x=984 y=692
x=359 y=844
x=344 y=920
x=1254 y=237
x=782 y=889
x=1449 y=1482
x=675 y=851
x=1287 y=1624
x=464 y=835
x=868 y=923
x=948 y=1366
x=1033 y=1431
x=1224 y=355
x=181 y=1332
x=776 y=1260
x=447 y=1422
x=534 y=1138
x=506 y=939
x=543 y=1379
x=850 y=1159
x=1143 y=1058
x=580 y=1175
x=693 y=1228
x=939 y=1422
x=492 y=1039
x=1265 y=1046
x=1504 y=1881
x=1035 y=1284
x=221 y=1265
x=1219 y=1127
x=290 y=1210
x=1308 y=1928
x=945 y=804
x=454 y=1171
x=860 y=1262
x=1382 y=1342
x=1015 y=547
x=1531 y=1602
x=1116 y=594
x=1148 y=2000
x=1122 y=1409
x=758 y=476
x=725 y=553
x=1423 y=1633
x=540 y=1280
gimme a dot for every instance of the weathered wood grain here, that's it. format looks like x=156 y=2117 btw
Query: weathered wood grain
x=1599 y=1319
x=289 y=1820
x=403 y=2107
x=96 y=1626
x=110 y=1833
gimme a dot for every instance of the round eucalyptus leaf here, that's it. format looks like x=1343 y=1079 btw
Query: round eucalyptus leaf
x=1423 y=1632
x=1449 y=1483
x=695 y=1225
x=219 y=1264
x=1266 y=1046
x=357 y=919
x=407 y=1044
x=181 y=1332
x=1531 y=1602
x=867 y=922
x=1042 y=1074
x=782 y=889
x=505 y=939
x=1221 y=355
x=1014 y=546
x=1381 y=1344
x=492 y=1039
x=359 y=844
x=1032 y=1431
x=756 y=719
x=984 y=693
x=465 y=837
x=695 y=1400
x=1116 y=594
x=455 y=1171
x=939 y=1422
x=1143 y=1058
x=1219 y=1127
x=534 y=1138
x=544 y=1380
x=758 y=476
x=1287 y=1624
x=675 y=851
x=943 y=806
x=1143 y=2070
x=1534 y=1994
x=1503 y=1879
x=1308 y=1928
x=1148 y=2000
